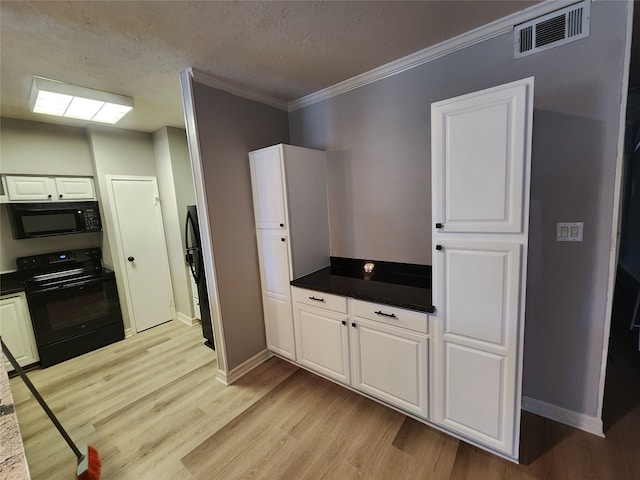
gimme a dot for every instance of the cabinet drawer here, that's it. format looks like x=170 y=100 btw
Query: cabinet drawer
x=399 y=317
x=320 y=299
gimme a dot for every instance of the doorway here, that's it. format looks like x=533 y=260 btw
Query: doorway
x=622 y=381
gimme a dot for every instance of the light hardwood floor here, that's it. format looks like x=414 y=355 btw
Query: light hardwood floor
x=152 y=408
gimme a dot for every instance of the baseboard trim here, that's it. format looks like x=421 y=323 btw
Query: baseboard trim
x=241 y=370
x=129 y=332
x=187 y=320
x=577 y=420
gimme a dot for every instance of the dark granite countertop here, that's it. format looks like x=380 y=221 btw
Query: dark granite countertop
x=411 y=291
x=9 y=283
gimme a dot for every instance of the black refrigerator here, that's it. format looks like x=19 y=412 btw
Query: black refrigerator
x=194 y=259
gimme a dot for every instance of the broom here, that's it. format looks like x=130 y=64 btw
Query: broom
x=88 y=460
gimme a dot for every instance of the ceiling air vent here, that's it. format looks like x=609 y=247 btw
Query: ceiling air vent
x=551 y=30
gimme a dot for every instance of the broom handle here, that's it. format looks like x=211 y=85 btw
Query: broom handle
x=41 y=401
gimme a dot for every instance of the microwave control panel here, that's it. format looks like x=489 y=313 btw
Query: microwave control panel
x=91 y=218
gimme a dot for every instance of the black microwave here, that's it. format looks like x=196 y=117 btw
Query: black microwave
x=31 y=220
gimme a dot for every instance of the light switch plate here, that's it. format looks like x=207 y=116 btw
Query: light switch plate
x=569 y=231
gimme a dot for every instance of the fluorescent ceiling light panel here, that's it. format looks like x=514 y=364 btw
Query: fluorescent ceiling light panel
x=57 y=98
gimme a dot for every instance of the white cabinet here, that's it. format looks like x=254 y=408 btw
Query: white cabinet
x=16 y=329
x=289 y=187
x=481 y=149
x=322 y=333
x=389 y=352
x=273 y=255
x=383 y=352
x=31 y=188
x=74 y=188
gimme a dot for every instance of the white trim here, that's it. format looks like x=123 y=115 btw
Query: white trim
x=245 y=367
x=615 y=243
x=207 y=79
x=433 y=52
x=577 y=420
x=129 y=332
x=186 y=319
x=197 y=170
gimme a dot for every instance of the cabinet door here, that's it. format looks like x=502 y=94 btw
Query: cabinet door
x=267 y=179
x=16 y=331
x=390 y=364
x=279 y=325
x=273 y=255
x=75 y=188
x=479 y=156
x=322 y=341
x=478 y=354
x=30 y=188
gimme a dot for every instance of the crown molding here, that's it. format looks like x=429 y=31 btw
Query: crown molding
x=211 y=81
x=433 y=52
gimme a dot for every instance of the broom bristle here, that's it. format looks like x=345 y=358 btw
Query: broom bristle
x=93 y=471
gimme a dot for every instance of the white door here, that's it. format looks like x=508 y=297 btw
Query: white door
x=268 y=187
x=273 y=254
x=141 y=243
x=481 y=155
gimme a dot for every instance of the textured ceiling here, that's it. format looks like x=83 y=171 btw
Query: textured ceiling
x=283 y=49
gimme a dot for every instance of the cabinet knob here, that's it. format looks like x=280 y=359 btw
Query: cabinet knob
x=282 y=224
x=60 y=195
x=283 y=239
x=131 y=259
x=344 y=322
x=439 y=225
x=438 y=247
x=354 y=325
x=48 y=196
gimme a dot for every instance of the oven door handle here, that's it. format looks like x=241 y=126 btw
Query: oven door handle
x=70 y=285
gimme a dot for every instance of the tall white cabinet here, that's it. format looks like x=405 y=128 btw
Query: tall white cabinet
x=292 y=230
x=481 y=158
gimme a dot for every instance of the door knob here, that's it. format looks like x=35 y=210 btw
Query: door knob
x=131 y=259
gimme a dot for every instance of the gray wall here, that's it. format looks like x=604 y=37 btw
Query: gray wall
x=41 y=149
x=228 y=128
x=378 y=136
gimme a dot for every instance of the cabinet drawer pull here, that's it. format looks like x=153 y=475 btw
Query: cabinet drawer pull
x=316 y=299
x=390 y=315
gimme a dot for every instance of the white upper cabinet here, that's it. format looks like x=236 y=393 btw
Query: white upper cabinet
x=74 y=188
x=481 y=162
x=478 y=160
x=44 y=189
x=268 y=188
x=289 y=187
